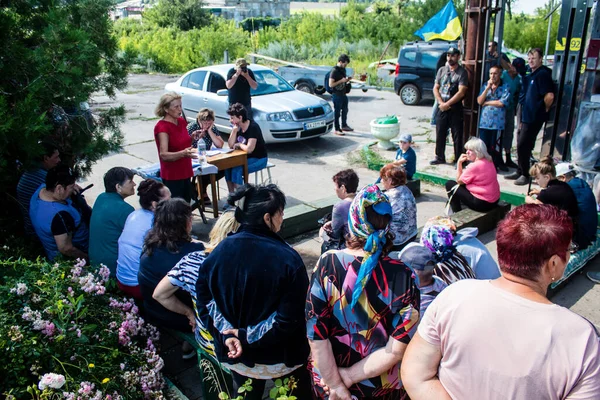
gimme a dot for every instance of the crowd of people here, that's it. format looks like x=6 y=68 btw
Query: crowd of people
x=387 y=313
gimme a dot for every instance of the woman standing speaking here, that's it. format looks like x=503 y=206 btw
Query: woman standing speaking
x=174 y=145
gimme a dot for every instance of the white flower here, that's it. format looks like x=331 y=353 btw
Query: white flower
x=20 y=290
x=51 y=380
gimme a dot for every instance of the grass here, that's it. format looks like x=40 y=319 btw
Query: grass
x=142 y=118
x=372 y=159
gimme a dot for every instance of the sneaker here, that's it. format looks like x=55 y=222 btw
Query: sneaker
x=347 y=129
x=594 y=276
x=522 y=181
x=513 y=176
x=339 y=133
x=436 y=162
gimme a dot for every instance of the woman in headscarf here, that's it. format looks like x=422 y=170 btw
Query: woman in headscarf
x=361 y=309
x=438 y=236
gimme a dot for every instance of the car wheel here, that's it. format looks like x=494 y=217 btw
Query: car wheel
x=410 y=94
x=305 y=87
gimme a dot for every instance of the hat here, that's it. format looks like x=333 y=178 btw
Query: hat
x=564 y=168
x=416 y=256
x=241 y=62
x=406 y=137
x=452 y=51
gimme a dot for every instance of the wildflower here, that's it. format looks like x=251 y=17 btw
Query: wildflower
x=105 y=380
x=86 y=387
x=20 y=290
x=122 y=366
x=14 y=333
x=80 y=262
x=51 y=380
x=49 y=329
x=91 y=365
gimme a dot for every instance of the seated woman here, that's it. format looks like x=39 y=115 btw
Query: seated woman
x=130 y=242
x=184 y=276
x=333 y=233
x=204 y=128
x=361 y=309
x=404 y=206
x=476 y=186
x=166 y=243
x=553 y=191
x=245 y=135
x=503 y=339
x=251 y=277
x=451 y=265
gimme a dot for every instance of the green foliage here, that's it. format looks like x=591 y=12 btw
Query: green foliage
x=62 y=334
x=524 y=32
x=180 y=14
x=282 y=391
x=55 y=54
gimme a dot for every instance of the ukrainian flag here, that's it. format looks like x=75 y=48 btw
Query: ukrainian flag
x=444 y=25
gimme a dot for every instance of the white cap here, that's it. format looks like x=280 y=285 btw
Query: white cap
x=564 y=168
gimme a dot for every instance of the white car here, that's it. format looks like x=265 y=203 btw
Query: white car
x=283 y=113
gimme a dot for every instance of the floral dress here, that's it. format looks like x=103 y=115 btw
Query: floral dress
x=404 y=220
x=388 y=307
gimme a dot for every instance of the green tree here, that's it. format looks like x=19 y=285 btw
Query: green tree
x=53 y=56
x=525 y=32
x=181 y=14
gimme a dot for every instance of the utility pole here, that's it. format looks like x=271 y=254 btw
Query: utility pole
x=547 y=49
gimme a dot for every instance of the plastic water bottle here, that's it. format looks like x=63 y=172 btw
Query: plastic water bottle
x=201 y=152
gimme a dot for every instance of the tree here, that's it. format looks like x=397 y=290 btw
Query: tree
x=53 y=55
x=182 y=14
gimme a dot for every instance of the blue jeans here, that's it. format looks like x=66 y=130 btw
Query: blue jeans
x=340 y=106
x=235 y=174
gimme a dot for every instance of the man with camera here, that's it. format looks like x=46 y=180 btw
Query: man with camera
x=451 y=85
x=340 y=86
x=239 y=82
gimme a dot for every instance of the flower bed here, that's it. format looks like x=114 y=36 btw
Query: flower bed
x=64 y=336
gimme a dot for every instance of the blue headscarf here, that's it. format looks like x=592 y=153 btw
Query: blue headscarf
x=358 y=225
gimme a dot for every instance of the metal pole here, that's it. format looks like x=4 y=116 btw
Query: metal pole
x=499 y=28
x=547 y=48
x=226 y=57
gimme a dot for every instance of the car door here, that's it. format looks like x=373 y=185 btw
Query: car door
x=427 y=67
x=218 y=104
x=193 y=94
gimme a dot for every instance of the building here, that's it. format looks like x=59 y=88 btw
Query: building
x=239 y=10
x=128 y=9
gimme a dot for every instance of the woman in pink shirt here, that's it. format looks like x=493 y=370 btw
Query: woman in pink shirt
x=503 y=339
x=477 y=185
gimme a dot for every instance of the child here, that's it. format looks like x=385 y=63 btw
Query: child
x=406 y=155
x=420 y=260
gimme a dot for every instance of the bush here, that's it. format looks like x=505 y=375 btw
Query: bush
x=63 y=335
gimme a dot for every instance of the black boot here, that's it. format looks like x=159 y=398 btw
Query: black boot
x=509 y=162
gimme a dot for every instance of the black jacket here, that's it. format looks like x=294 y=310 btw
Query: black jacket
x=256 y=282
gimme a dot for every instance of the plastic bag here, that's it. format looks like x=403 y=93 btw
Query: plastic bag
x=585 y=145
x=387 y=120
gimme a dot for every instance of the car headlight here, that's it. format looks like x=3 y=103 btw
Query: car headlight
x=326 y=108
x=280 y=116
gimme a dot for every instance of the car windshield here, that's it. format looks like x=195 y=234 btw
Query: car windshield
x=268 y=83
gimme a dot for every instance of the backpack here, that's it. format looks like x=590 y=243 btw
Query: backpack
x=328 y=88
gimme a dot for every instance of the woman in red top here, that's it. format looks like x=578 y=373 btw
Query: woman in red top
x=174 y=145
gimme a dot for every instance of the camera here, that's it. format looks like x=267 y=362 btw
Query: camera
x=244 y=69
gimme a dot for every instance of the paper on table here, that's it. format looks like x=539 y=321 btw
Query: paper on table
x=214 y=152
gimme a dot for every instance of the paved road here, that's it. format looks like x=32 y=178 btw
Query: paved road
x=304 y=169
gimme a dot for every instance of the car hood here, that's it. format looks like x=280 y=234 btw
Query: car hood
x=286 y=101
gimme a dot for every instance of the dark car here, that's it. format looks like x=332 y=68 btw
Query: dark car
x=416 y=68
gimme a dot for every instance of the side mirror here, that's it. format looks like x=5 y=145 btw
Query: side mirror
x=222 y=92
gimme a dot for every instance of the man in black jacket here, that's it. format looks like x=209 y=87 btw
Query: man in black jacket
x=339 y=82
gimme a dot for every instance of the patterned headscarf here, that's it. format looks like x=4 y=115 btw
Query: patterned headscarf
x=370 y=195
x=438 y=238
x=441 y=220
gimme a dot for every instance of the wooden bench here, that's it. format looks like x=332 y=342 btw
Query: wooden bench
x=214 y=377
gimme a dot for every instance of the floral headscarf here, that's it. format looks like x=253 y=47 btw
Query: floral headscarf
x=370 y=195
x=438 y=239
x=441 y=220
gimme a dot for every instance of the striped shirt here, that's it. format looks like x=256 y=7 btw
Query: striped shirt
x=30 y=182
x=184 y=275
x=430 y=292
x=454 y=269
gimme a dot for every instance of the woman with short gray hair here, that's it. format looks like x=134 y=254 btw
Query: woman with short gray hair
x=476 y=186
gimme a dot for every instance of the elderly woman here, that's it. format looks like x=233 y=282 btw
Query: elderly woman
x=503 y=339
x=477 y=185
x=333 y=233
x=553 y=191
x=204 y=128
x=174 y=146
x=130 y=242
x=404 y=206
x=362 y=308
x=251 y=289
x=245 y=135
x=166 y=243
x=438 y=236
x=184 y=276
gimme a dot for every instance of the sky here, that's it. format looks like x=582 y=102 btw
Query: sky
x=529 y=6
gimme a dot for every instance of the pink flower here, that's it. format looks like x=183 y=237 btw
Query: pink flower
x=51 y=380
x=80 y=262
x=49 y=329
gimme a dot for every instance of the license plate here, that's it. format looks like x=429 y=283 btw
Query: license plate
x=313 y=125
